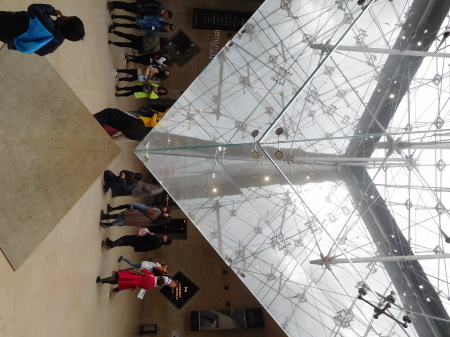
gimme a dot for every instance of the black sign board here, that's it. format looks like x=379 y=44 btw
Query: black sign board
x=219 y=20
x=181 y=294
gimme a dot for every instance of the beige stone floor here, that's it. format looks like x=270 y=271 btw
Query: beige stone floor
x=53 y=292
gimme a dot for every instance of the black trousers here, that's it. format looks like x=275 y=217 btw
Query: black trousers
x=12 y=25
x=142 y=59
x=132 y=72
x=126 y=240
x=124 y=17
x=117 y=208
x=131 y=90
x=126 y=25
x=135 y=42
x=126 y=6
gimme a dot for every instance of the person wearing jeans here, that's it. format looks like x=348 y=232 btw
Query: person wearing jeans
x=131 y=205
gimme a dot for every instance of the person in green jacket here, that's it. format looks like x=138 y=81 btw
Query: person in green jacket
x=142 y=90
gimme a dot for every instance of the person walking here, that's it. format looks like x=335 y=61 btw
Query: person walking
x=141 y=243
x=141 y=7
x=136 y=278
x=142 y=217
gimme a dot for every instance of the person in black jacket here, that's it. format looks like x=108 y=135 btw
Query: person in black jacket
x=140 y=243
x=131 y=127
x=141 y=7
x=121 y=185
x=20 y=29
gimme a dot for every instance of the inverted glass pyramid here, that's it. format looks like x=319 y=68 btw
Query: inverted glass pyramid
x=319 y=133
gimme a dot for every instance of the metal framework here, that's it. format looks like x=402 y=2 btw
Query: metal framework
x=361 y=97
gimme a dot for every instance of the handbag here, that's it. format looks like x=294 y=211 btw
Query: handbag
x=142 y=232
x=146 y=88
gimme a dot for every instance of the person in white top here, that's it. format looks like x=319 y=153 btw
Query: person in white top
x=144 y=264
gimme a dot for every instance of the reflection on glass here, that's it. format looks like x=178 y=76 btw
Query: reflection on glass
x=360 y=94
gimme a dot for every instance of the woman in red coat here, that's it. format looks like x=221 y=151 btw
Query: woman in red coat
x=136 y=278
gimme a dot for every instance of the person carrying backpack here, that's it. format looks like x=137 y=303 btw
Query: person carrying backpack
x=35 y=31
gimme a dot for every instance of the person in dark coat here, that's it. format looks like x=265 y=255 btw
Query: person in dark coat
x=144 y=243
x=142 y=7
x=148 y=217
x=120 y=185
x=133 y=128
x=35 y=31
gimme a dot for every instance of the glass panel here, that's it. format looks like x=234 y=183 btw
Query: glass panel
x=317 y=135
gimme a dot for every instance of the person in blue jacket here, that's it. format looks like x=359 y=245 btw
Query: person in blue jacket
x=35 y=31
x=144 y=24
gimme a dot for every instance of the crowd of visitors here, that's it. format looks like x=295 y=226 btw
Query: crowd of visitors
x=41 y=30
x=147 y=66
x=147 y=46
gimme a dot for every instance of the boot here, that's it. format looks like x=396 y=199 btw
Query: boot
x=105 y=245
x=110 y=7
x=104 y=225
x=107 y=216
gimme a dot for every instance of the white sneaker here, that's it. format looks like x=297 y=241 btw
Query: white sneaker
x=114 y=73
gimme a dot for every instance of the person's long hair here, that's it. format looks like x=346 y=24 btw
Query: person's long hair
x=160 y=281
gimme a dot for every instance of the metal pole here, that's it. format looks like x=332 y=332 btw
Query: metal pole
x=332 y=260
x=363 y=49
